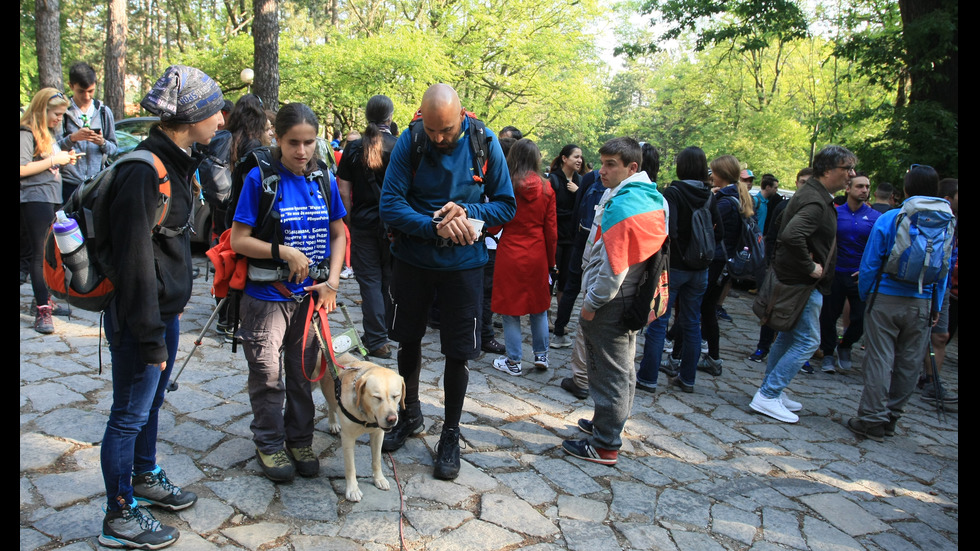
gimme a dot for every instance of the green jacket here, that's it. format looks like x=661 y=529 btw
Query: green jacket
x=809 y=226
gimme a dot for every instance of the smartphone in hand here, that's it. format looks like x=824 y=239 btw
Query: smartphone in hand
x=97 y=130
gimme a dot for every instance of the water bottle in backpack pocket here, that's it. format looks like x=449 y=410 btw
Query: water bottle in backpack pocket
x=74 y=255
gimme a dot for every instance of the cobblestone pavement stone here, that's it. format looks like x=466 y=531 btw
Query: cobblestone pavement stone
x=697 y=471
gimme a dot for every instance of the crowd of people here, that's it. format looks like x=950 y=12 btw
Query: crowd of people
x=448 y=217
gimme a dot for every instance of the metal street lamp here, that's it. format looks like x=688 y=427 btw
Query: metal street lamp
x=247 y=75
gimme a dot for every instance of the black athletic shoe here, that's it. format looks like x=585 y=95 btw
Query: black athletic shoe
x=569 y=385
x=409 y=422
x=447 y=454
x=134 y=527
x=154 y=488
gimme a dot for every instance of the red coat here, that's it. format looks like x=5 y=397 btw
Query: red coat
x=526 y=251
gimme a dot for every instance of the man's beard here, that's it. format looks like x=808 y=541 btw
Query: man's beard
x=446 y=146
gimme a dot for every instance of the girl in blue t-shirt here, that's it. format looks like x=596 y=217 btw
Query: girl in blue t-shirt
x=272 y=312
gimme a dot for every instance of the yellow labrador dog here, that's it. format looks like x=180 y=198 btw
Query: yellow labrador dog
x=369 y=399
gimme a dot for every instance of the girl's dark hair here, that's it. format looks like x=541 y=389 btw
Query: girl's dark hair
x=692 y=164
x=651 y=161
x=523 y=157
x=559 y=160
x=378 y=111
x=921 y=180
x=246 y=122
x=294 y=114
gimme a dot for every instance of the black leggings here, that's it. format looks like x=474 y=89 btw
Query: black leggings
x=37 y=219
x=454 y=381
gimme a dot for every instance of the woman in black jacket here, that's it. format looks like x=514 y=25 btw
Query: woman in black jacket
x=142 y=322
x=565 y=179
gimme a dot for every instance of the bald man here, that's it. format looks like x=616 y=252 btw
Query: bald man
x=435 y=212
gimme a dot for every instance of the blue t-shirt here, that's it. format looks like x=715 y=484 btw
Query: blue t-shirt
x=304 y=218
x=853 y=229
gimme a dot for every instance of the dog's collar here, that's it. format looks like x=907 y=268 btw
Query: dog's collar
x=349 y=415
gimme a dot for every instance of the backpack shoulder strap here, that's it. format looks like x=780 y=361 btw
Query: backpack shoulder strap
x=479 y=146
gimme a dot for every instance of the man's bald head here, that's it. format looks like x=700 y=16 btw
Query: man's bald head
x=442 y=116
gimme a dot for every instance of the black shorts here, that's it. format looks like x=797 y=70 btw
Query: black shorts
x=460 y=301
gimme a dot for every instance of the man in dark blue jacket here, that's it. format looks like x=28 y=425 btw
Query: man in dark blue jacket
x=433 y=210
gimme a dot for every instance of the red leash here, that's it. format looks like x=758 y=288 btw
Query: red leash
x=321 y=328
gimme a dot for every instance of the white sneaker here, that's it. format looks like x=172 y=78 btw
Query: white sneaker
x=773 y=407
x=791 y=405
x=828 y=365
x=346 y=273
x=668 y=346
x=504 y=364
x=704 y=346
x=844 y=358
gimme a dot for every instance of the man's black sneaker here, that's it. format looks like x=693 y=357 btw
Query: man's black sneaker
x=722 y=314
x=491 y=346
x=154 y=488
x=807 y=368
x=676 y=381
x=874 y=431
x=759 y=355
x=447 y=454
x=646 y=388
x=278 y=467
x=568 y=384
x=585 y=425
x=134 y=527
x=889 y=428
x=409 y=422
x=307 y=463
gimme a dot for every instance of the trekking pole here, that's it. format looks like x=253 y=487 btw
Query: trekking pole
x=937 y=386
x=172 y=385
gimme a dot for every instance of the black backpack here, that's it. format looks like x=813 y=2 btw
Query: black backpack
x=215 y=171
x=751 y=264
x=479 y=145
x=653 y=292
x=699 y=251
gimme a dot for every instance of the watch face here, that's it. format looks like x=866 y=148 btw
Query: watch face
x=342 y=343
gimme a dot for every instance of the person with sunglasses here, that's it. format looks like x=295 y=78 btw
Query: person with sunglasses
x=805 y=251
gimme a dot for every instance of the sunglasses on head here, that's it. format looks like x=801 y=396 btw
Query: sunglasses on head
x=917 y=166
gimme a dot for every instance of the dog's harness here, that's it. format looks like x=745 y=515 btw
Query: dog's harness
x=321 y=328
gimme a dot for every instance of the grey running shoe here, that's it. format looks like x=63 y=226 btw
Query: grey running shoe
x=561 y=341
x=844 y=359
x=710 y=365
x=154 y=488
x=134 y=527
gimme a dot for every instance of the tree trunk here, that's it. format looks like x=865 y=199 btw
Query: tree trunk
x=115 y=58
x=265 y=36
x=48 y=41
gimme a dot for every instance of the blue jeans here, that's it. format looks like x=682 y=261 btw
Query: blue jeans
x=792 y=348
x=686 y=290
x=512 y=335
x=130 y=441
x=370 y=257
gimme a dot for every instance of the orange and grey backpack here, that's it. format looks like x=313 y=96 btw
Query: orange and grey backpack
x=87 y=206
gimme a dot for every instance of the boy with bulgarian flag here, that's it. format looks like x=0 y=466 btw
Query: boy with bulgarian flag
x=630 y=226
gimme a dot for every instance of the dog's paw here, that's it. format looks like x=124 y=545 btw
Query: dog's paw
x=333 y=427
x=354 y=493
x=381 y=483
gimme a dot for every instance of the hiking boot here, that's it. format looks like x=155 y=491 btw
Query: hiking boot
x=676 y=381
x=844 y=359
x=874 y=431
x=583 y=450
x=773 y=407
x=541 y=362
x=791 y=405
x=807 y=368
x=569 y=384
x=278 y=467
x=585 y=425
x=55 y=309
x=669 y=366
x=383 y=351
x=42 y=320
x=307 y=464
x=134 y=527
x=447 y=454
x=154 y=488
x=409 y=422
x=828 y=365
x=493 y=347
x=888 y=428
x=722 y=314
x=509 y=367
x=561 y=341
x=930 y=395
x=710 y=365
x=646 y=388
x=758 y=356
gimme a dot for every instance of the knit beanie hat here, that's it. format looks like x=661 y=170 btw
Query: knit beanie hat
x=184 y=95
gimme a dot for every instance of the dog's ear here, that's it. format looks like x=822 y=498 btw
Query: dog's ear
x=404 y=390
x=359 y=390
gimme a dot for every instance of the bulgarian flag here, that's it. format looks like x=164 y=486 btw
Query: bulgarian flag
x=633 y=225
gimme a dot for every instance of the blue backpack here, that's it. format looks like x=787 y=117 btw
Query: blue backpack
x=923 y=242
